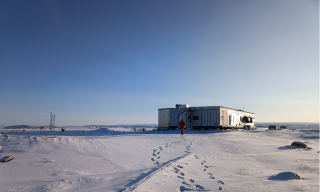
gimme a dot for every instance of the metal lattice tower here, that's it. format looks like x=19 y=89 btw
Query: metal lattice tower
x=52 y=120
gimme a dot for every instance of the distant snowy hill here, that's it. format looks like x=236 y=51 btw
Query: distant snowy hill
x=22 y=127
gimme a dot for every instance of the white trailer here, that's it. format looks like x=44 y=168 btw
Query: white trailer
x=209 y=117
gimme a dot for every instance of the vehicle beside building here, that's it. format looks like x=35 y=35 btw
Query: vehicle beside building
x=207 y=117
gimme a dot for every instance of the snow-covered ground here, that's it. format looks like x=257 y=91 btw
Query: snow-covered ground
x=118 y=159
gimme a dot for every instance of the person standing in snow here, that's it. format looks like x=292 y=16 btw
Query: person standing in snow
x=182 y=125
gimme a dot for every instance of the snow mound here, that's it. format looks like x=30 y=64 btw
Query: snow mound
x=285 y=176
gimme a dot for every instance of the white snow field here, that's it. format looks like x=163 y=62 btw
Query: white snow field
x=100 y=159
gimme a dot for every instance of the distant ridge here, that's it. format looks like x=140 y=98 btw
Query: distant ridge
x=125 y=125
x=23 y=127
x=98 y=126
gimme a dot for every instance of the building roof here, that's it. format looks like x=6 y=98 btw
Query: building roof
x=212 y=107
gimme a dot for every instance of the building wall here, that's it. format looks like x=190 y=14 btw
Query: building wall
x=224 y=117
x=176 y=115
x=235 y=116
x=163 y=118
x=202 y=117
x=206 y=118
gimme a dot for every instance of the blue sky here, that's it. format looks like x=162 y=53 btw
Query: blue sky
x=117 y=62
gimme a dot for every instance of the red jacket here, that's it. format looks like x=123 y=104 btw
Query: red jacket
x=182 y=124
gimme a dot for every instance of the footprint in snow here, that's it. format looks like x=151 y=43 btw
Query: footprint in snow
x=185 y=183
x=206 y=166
x=191 y=180
x=220 y=188
x=183 y=188
x=158 y=157
x=152 y=159
x=200 y=187
x=182 y=174
x=176 y=169
x=221 y=182
x=212 y=177
x=158 y=153
x=180 y=177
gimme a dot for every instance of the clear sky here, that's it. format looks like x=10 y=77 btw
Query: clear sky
x=117 y=62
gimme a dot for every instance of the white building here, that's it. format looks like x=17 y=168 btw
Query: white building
x=209 y=117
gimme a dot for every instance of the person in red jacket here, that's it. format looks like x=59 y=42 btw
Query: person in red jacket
x=182 y=125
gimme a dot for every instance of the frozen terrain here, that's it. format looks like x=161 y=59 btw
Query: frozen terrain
x=97 y=158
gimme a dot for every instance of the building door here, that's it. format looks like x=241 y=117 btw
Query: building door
x=183 y=116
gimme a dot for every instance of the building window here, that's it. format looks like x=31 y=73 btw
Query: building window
x=195 y=117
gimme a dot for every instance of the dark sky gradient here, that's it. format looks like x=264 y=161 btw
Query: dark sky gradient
x=108 y=62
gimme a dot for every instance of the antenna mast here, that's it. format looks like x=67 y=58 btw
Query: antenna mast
x=52 y=120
